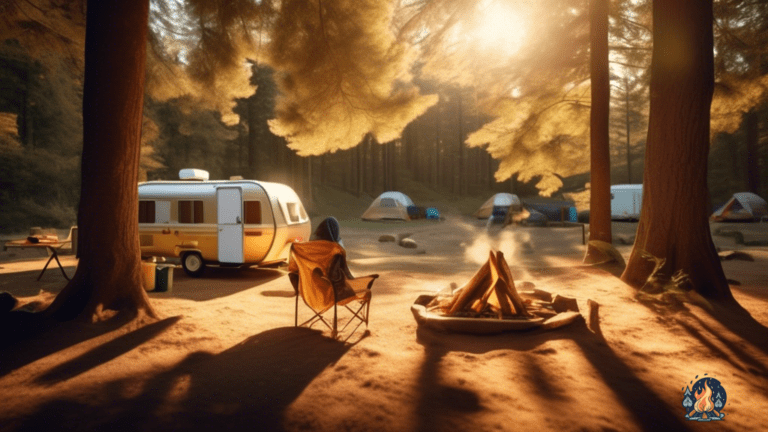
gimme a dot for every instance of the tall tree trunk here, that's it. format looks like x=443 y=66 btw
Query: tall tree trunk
x=323 y=164
x=255 y=136
x=385 y=165
x=370 y=167
x=629 y=141
x=753 y=136
x=108 y=275
x=600 y=157
x=462 y=180
x=360 y=169
x=392 y=165
x=489 y=180
x=674 y=219
x=436 y=167
x=309 y=182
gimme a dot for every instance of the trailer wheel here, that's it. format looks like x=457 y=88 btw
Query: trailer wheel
x=193 y=264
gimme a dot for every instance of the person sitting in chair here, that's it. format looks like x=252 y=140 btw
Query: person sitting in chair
x=328 y=230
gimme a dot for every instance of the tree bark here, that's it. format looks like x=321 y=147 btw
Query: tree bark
x=108 y=275
x=462 y=181
x=255 y=138
x=600 y=158
x=751 y=123
x=674 y=218
x=359 y=169
x=629 y=141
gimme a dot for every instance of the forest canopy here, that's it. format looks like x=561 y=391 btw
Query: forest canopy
x=483 y=91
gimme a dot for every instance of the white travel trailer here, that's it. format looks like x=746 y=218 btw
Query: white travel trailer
x=626 y=201
x=232 y=222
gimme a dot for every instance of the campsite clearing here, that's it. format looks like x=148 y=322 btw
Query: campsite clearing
x=225 y=354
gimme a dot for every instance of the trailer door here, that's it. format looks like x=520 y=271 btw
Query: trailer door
x=230 y=221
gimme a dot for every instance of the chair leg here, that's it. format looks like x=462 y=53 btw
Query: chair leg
x=335 y=323
x=367 y=311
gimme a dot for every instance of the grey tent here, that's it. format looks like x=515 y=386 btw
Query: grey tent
x=389 y=205
x=743 y=206
x=499 y=200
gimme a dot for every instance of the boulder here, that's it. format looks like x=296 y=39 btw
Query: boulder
x=387 y=238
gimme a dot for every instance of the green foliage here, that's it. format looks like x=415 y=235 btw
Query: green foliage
x=189 y=138
x=37 y=188
x=40 y=148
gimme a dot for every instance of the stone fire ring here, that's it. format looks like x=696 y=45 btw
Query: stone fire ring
x=468 y=325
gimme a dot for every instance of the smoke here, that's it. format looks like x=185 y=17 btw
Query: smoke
x=509 y=242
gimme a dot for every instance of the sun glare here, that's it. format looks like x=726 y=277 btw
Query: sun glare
x=500 y=28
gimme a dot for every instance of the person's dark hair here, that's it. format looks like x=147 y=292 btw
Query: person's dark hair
x=328 y=230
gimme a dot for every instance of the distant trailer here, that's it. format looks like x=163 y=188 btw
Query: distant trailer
x=237 y=223
x=626 y=201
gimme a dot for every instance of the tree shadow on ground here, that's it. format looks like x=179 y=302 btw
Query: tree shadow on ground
x=29 y=336
x=219 y=282
x=25 y=283
x=105 y=352
x=247 y=387
x=649 y=411
x=741 y=323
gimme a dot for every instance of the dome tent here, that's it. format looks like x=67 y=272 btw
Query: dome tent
x=398 y=196
x=743 y=206
x=389 y=205
x=496 y=203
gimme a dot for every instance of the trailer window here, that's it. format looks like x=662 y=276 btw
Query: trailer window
x=295 y=212
x=190 y=212
x=146 y=212
x=252 y=211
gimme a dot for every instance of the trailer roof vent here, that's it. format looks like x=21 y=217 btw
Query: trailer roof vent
x=237 y=177
x=193 y=174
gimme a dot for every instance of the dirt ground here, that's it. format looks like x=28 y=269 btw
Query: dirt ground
x=226 y=356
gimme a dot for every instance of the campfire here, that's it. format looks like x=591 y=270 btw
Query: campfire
x=490 y=293
x=489 y=302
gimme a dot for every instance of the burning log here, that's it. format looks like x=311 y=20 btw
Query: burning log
x=490 y=291
x=467 y=292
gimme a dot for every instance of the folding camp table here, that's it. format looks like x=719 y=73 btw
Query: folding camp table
x=52 y=246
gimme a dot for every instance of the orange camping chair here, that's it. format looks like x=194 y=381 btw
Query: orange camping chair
x=319 y=274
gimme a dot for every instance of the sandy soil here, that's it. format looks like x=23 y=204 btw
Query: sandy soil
x=225 y=355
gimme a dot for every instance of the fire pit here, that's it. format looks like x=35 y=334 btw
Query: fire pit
x=489 y=303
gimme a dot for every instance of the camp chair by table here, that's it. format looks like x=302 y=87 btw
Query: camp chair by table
x=319 y=274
